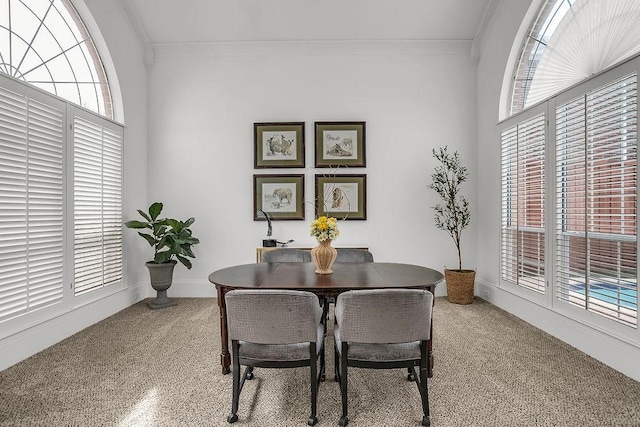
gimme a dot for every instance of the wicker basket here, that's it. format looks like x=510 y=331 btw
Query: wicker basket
x=460 y=285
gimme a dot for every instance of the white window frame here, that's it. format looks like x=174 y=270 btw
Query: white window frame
x=543 y=298
x=549 y=300
x=101 y=291
x=565 y=308
x=69 y=301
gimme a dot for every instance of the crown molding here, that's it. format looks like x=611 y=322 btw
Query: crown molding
x=132 y=16
x=488 y=19
x=306 y=48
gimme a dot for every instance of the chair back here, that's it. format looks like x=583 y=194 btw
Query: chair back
x=384 y=316
x=265 y=316
x=353 y=255
x=286 y=255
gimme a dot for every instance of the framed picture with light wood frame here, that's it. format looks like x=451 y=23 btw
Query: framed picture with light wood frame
x=340 y=144
x=342 y=196
x=278 y=145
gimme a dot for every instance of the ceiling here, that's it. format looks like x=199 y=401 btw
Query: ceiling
x=203 y=21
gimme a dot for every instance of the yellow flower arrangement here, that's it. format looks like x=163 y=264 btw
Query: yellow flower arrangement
x=324 y=228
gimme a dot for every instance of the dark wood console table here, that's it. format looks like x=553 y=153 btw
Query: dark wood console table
x=302 y=276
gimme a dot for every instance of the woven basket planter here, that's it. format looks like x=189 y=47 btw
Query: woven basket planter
x=460 y=285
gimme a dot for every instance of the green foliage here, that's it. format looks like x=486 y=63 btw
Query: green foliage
x=452 y=215
x=169 y=237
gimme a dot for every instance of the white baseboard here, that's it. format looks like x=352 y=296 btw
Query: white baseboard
x=30 y=341
x=612 y=351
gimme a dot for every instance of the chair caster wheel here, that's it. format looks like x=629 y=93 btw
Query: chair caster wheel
x=312 y=421
x=232 y=418
x=411 y=377
x=343 y=421
x=250 y=376
x=426 y=421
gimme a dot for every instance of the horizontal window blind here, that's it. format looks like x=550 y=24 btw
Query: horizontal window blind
x=509 y=212
x=31 y=207
x=523 y=202
x=596 y=187
x=97 y=205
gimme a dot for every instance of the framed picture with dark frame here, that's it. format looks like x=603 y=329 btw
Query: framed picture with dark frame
x=342 y=196
x=278 y=145
x=340 y=144
x=281 y=196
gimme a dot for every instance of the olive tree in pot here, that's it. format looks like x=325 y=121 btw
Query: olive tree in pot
x=170 y=238
x=452 y=215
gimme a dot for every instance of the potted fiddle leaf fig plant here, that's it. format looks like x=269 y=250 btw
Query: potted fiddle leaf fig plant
x=453 y=216
x=171 y=240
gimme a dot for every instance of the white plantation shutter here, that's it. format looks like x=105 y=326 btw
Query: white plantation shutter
x=523 y=202
x=596 y=180
x=97 y=169
x=45 y=204
x=31 y=203
x=37 y=160
x=112 y=204
x=509 y=239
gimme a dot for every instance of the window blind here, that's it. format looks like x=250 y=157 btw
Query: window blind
x=596 y=187
x=31 y=204
x=97 y=205
x=523 y=201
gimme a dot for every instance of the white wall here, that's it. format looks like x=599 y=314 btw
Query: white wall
x=613 y=351
x=203 y=103
x=126 y=62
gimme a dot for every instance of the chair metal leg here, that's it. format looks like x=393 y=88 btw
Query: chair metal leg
x=248 y=374
x=325 y=313
x=322 y=365
x=313 y=419
x=343 y=384
x=422 y=384
x=336 y=365
x=233 y=416
x=424 y=394
x=411 y=374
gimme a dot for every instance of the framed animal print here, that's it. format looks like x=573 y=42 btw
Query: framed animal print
x=342 y=196
x=340 y=144
x=281 y=196
x=278 y=145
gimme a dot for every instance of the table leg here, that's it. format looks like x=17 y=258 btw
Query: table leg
x=225 y=357
x=430 y=345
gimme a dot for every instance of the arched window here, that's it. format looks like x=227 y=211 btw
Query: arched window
x=60 y=166
x=569 y=41
x=569 y=167
x=45 y=43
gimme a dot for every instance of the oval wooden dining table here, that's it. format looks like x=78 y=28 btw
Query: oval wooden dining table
x=302 y=276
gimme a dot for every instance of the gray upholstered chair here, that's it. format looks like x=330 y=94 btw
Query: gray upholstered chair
x=348 y=255
x=383 y=329
x=286 y=255
x=274 y=329
x=353 y=255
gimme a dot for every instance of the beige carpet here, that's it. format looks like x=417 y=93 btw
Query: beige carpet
x=161 y=368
